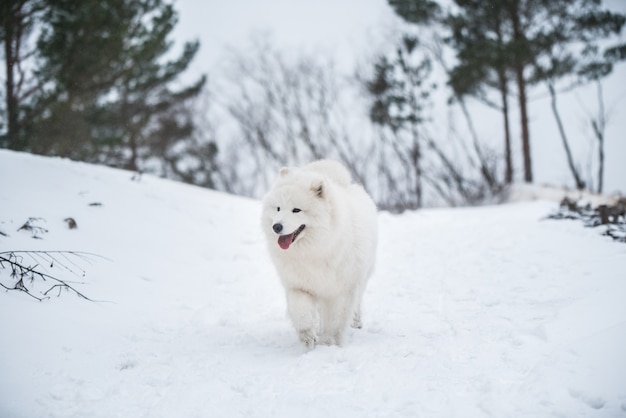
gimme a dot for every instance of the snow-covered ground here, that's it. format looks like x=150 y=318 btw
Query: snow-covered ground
x=478 y=312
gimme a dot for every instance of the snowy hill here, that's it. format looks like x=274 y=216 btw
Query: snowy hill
x=471 y=312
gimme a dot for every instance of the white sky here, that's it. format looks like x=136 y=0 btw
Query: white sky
x=350 y=30
x=338 y=27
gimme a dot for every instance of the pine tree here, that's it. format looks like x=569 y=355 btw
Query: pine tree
x=525 y=42
x=568 y=46
x=17 y=20
x=401 y=91
x=108 y=95
x=479 y=35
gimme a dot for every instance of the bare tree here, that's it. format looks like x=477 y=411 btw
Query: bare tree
x=286 y=112
x=277 y=109
x=598 y=123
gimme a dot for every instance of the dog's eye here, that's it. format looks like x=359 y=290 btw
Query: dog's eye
x=296 y=210
x=278 y=209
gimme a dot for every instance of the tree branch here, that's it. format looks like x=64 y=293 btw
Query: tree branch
x=25 y=272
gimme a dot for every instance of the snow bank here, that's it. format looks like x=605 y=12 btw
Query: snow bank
x=472 y=312
x=521 y=192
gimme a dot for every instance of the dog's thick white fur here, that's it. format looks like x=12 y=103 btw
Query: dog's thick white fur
x=321 y=230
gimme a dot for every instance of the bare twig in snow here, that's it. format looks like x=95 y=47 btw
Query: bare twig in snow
x=27 y=267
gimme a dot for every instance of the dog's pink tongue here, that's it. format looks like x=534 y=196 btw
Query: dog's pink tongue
x=284 y=241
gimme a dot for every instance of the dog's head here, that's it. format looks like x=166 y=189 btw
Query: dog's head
x=294 y=207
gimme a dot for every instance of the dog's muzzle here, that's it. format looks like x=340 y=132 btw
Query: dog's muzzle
x=285 y=240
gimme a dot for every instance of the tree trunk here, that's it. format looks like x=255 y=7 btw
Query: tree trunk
x=508 y=169
x=521 y=84
x=598 y=129
x=416 y=161
x=504 y=92
x=11 y=99
x=520 y=41
x=580 y=184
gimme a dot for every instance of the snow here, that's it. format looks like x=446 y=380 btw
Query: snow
x=529 y=192
x=472 y=312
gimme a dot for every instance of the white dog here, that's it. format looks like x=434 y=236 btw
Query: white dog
x=321 y=231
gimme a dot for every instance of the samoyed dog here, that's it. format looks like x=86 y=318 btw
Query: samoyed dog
x=321 y=230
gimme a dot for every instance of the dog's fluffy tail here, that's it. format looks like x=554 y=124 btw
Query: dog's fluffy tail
x=332 y=170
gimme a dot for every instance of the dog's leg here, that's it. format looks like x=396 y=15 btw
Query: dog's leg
x=356 y=319
x=335 y=318
x=303 y=313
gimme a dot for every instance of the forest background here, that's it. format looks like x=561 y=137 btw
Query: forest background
x=428 y=103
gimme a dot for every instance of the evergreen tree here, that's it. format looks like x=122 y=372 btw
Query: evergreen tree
x=17 y=20
x=569 y=48
x=521 y=41
x=490 y=40
x=401 y=91
x=107 y=93
x=483 y=60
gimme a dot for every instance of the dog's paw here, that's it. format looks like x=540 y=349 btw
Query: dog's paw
x=357 y=324
x=308 y=338
x=328 y=341
x=331 y=339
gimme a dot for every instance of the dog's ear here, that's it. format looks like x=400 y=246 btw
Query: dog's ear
x=283 y=171
x=317 y=187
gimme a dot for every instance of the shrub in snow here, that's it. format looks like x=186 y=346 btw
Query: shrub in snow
x=613 y=217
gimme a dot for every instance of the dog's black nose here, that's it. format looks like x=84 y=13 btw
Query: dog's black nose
x=277 y=228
